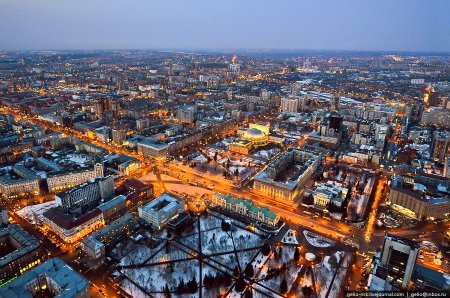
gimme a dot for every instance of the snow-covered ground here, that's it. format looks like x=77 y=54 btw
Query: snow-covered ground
x=133 y=290
x=154 y=277
x=175 y=185
x=267 y=154
x=290 y=273
x=325 y=271
x=200 y=159
x=290 y=237
x=316 y=240
x=138 y=256
x=33 y=213
x=150 y=279
x=77 y=158
x=215 y=240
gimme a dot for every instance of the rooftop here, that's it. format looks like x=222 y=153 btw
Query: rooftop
x=27 y=243
x=112 y=203
x=69 y=281
x=68 y=221
x=163 y=203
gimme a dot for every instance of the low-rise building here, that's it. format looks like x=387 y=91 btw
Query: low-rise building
x=71 y=228
x=135 y=190
x=151 y=148
x=113 y=208
x=53 y=277
x=416 y=203
x=88 y=193
x=241 y=146
x=180 y=222
x=286 y=174
x=19 y=180
x=245 y=207
x=4 y=218
x=64 y=180
x=19 y=252
x=95 y=245
x=330 y=192
x=160 y=210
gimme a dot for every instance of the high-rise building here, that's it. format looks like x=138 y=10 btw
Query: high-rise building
x=335 y=122
x=186 y=114
x=99 y=107
x=447 y=167
x=53 y=276
x=118 y=136
x=394 y=267
x=20 y=252
x=235 y=68
x=307 y=64
x=301 y=103
x=113 y=105
x=142 y=124
x=381 y=131
x=335 y=101
x=289 y=104
x=435 y=99
x=296 y=89
x=441 y=145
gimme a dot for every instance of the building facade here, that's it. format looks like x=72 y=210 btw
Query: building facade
x=266 y=182
x=245 y=207
x=95 y=245
x=416 y=204
x=87 y=193
x=71 y=229
x=53 y=276
x=160 y=210
x=62 y=181
x=23 y=252
x=289 y=104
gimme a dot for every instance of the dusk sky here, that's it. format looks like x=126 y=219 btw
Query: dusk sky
x=406 y=25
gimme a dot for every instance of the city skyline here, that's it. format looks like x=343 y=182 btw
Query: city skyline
x=351 y=26
x=228 y=149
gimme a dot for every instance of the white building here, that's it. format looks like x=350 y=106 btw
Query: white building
x=381 y=131
x=161 y=210
x=329 y=192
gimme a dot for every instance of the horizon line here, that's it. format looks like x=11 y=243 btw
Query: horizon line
x=230 y=50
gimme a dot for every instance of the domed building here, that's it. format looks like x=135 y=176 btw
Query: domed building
x=255 y=135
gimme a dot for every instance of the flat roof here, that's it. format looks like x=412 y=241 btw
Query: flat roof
x=27 y=243
x=70 y=281
x=168 y=202
x=68 y=221
x=112 y=203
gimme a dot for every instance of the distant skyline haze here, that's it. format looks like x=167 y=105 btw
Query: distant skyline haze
x=360 y=25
